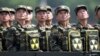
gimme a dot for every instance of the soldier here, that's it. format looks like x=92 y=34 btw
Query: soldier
x=58 y=32
x=21 y=15
x=82 y=16
x=30 y=17
x=49 y=17
x=41 y=16
x=24 y=28
x=5 y=26
x=63 y=15
x=97 y=12
x=97 y=25
x=24 y=15
x=5 y=17
x=12 y=15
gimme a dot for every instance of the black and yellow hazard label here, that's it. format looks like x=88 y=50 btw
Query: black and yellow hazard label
x=92 y=40
x=34 y=43
x=94 y=44
x=77 y=44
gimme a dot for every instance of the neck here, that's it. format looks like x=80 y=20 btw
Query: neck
x=28 y=22
x=41 y=24
x=48 y=22
x=6 y=24
x=64 y=24
x=22 y=22
x=83 y=23
x=11 y=22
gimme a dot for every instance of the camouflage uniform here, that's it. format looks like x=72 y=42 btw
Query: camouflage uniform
x=42 y=30
x=79 y=25
x=23 y=38
x=97 y=26
x=59 y=34
x=25 y=34
x=6 y=34
x=49 y=9
x=58 y=38
x=83 y=29
x=42 y=38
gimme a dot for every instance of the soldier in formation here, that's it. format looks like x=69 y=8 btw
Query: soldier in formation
x=5 y=26
x=58 y=32
x=17 y=33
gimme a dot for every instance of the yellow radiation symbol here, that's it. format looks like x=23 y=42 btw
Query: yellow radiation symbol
x=93 y=44
x=77 y=44
x=35 y=43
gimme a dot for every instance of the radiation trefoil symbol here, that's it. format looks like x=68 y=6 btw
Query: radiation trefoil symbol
x=35 y=44
x=77 y=44
x=93 y=45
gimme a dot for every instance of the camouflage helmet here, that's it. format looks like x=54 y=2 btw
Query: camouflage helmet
x=12 y=10
x=49 y=8
x=4 y=9
x=40 y=8
x=97 y=8
x=80 y=7
x=28 y=8
x=62 y=7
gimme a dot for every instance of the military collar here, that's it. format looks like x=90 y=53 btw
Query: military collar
x=68 y=26
x=87 y=25
x=26 y=26
x=29 y=26
x=3 y=28
x=41 y=28
x=1 y=25
x=64 y=29
x=18 y=25
x=49 y=27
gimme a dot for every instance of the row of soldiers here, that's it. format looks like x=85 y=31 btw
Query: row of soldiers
x=17 y=33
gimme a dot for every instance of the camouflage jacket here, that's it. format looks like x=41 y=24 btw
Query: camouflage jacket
x=58 y=38
x=7 y=38
x=23 y=38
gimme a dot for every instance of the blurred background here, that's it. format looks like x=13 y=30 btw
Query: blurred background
x=54 y=3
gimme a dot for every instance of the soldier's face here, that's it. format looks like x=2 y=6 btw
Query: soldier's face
x=30 y=16
x=82 y=14
x=49 y=15
x=12 y=16
x=21 y=14
x=5 y=16
x=63 y=16
x=98 y=14
x=41 y=16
